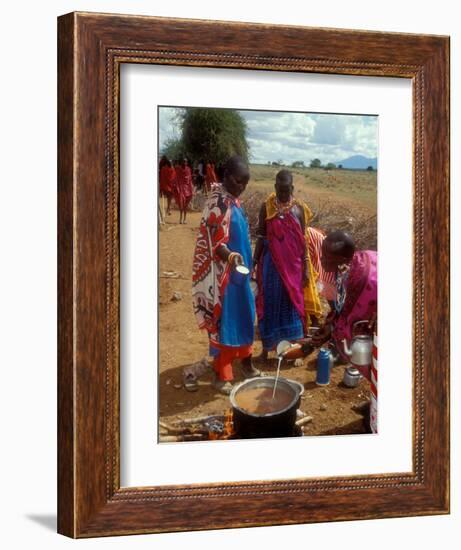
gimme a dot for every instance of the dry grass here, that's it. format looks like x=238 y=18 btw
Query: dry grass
x=339 y=199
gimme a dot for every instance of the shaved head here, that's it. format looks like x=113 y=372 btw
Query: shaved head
x=284 y=176
x=284 y=185
x=338 y=248
x=235 y=166
x=236 y=175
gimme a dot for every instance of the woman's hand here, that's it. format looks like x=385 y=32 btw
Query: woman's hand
x=235 y=259
x=321 y=336
x=373 y=323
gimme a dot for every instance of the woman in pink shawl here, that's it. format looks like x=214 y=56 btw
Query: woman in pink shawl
x=356 y=288
x=287 y=294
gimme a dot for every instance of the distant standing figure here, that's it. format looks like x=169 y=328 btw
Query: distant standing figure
x=200 y=176
x=167 y=183
x=183 y=190
x=162 y=162
x=210 y=176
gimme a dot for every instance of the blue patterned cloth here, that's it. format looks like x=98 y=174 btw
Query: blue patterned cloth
x=238 y=308
x=281 y=321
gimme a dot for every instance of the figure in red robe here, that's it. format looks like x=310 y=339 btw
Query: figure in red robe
x=210 y=176
x=183 y=189
x=167 y=183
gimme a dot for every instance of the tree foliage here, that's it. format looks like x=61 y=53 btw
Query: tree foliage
x=214 y=134
x=316 y=163
x=174 y=149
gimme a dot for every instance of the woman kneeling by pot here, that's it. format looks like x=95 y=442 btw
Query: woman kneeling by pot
x=356 y=274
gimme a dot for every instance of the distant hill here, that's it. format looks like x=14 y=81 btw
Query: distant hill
x=358 y=162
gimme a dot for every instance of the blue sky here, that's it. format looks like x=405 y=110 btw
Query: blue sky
x=289 y=137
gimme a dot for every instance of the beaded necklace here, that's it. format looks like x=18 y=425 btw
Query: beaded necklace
x=341 y=279
x=283 y=207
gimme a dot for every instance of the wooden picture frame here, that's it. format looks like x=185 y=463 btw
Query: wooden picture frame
x=91 y=49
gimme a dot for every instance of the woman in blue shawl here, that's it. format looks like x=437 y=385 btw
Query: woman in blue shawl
x=222 y=298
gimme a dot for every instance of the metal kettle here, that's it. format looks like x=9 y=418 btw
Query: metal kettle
x=351 y=377
x=360 y=351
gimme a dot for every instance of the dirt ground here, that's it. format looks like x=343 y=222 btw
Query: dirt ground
x=181 y=343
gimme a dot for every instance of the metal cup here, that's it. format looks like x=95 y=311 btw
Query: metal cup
x=242 y=269
x=240 y=274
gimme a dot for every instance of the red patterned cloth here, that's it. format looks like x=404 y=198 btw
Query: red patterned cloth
x=210 y=274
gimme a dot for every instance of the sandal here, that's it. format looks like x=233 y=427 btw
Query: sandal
x=223 y=386
x=190 y=382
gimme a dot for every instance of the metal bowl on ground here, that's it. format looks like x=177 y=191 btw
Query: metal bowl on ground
x=278 y=422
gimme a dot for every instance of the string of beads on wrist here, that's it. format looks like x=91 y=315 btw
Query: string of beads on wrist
x=230 y=258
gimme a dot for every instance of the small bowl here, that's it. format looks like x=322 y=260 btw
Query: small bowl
x=242 y=269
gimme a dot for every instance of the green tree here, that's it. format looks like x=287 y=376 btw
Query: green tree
x=370 y=168
x=297 y=164
x=330 y=166
x=316 y=163
x=174 y=149
x=214 y=134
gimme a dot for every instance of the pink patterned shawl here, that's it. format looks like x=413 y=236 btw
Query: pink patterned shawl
x=288 y=247
x=361 y=296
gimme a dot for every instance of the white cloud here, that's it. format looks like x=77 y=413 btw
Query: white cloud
x=304 y=136
x=274 y=136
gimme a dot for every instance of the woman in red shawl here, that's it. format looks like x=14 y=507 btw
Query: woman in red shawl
x=167 y=182
x=183 y=190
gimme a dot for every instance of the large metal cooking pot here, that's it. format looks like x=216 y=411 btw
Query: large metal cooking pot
x=279 y=423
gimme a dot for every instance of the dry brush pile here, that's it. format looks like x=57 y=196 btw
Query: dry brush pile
x=340 y=201
x=357 y=220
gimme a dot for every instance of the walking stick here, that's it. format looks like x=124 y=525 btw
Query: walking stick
x=160 y=214
x=210 y=248
x=163 y=208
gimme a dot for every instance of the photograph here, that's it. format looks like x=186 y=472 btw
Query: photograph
x=267 y=273
x=224 y=188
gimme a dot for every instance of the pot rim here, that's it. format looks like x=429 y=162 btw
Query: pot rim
x=285 y=381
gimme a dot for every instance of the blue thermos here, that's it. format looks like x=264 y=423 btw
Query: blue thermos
x=323 y=367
